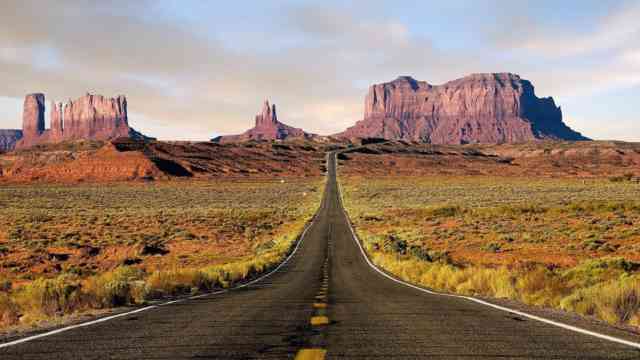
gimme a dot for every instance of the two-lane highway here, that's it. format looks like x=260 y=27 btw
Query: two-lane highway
x=326 y=301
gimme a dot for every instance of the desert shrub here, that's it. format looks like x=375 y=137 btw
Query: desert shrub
x=175 y=282
x=238 y=271
x=527 y=209
x=9 y=311
x=265 y=246
x=114 y=288
x=507 y=238
x=488 y=282
x=49 y=297
x=394 y=244
x=216 y=276
x=477 y=283
x=444 y=211
x=492 y=247
x=420 y=253
x=503 y=283
x=594 y=271
x=540 y=286
x=598 y=245
x=621 y=178
x=5 y=285
x=617 y=301
x=435 y=277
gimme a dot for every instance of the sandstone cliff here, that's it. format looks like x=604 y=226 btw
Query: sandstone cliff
x=480 y=108
x=91 y=117
x=267 y=128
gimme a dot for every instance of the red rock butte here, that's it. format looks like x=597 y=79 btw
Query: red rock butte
x=91 y=117
x=480 y=108
x=267 y=127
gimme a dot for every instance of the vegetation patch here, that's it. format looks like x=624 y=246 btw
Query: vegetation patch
x=564 y=243
x=70 y=249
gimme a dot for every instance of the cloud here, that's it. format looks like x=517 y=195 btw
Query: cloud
x=612 y=31
x=173 y=75
x=631 y=57
x=579 y=56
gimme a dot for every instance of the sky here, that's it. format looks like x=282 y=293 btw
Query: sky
x=195 y=69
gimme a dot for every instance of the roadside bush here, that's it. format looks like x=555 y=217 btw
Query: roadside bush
x=616 y=301
x=540 y=286
x=175 y=282
x=583 y=289
x=394 y=244
x=592 y=272
x=420 y=253
x=114 y=288
x=9 y=312
x=48 y=297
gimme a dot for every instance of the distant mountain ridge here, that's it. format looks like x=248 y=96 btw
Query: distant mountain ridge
x=480 y=108
x=91 y=117
x=267 y=127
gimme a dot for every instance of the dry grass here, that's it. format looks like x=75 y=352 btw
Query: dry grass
x=616 y=301
x=561 y=243
x=71 y=249
x=501 y=222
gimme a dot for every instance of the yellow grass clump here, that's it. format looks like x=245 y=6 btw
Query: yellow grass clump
x=616 y=301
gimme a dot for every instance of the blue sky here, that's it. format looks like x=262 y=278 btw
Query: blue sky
x=193 y=69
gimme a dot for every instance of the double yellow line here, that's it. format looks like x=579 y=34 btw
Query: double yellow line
x=319 y=318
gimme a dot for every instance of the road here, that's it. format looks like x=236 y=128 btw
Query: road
x=325 y=302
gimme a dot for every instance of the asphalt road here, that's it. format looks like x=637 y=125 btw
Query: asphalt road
x=326 y=301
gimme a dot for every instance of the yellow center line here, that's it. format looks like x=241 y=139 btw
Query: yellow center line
x=319 y=320
x=311 y=354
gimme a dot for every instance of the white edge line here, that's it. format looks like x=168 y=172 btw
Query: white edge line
x=107 y=318
x=503 y=308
